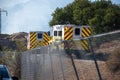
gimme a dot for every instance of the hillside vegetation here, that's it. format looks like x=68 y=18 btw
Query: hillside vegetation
x=13 y=42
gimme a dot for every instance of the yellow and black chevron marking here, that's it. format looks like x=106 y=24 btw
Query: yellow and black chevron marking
x=46 y=38
x=86 y=32
x=33 y=40
x=68 y=33
x=85 y=45
x=40 y=43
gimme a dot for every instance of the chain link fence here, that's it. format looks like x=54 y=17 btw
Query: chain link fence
x=46 y=63
x=56 y=62
x=107 y=50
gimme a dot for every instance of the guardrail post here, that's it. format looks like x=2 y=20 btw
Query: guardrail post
x=94 y=57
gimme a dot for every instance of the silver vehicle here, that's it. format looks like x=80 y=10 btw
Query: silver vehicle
x=4 y=73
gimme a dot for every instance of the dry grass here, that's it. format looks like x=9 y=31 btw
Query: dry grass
x=110 y=69
x=87 y=70
x=108 y=47
x=114 y=60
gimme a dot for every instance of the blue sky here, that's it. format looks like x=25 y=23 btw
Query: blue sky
x=30 y=15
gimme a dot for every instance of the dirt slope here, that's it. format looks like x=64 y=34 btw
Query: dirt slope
x=87 y=70
x=8 y=42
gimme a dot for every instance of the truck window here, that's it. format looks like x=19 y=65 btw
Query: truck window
x=55 y=33
x=77 y=31
x=59 y=33
x=39 y=36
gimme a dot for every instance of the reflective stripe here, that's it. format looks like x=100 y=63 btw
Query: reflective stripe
x=33 y=40
x=46 y=39
x=86 y=32
x=84 y=44
x=68 y=33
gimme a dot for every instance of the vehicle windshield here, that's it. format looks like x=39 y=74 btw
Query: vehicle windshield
x=4 y=73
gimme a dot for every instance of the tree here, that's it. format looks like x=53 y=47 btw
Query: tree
x=62 y=15
x=81 y=12
x=58 y=17
x=105 y=19
x=101 y=15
